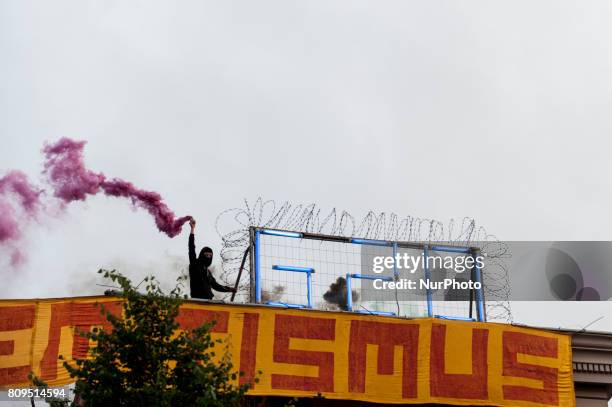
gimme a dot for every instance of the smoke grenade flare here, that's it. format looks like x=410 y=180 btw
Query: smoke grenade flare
x=70 y=181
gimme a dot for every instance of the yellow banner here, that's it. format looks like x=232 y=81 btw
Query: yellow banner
x=306 y=353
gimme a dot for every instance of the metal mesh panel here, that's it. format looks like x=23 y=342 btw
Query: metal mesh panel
x=333 y=260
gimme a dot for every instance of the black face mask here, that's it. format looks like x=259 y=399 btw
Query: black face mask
x=205 y=261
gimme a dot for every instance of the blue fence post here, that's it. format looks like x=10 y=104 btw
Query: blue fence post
x=428 y=279
x=395 y=273
x=349 y=293
x=309 y=288
x=396 y=276
x=479 y=297
x=257 y=268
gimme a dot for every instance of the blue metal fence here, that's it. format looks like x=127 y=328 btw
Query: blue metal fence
x=476 y=296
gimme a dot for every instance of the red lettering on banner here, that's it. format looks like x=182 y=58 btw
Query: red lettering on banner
x=288 y=326
x=248 y=347
x=386 y=336
x=82 y=316
x=7 y=348
x=467 y=386
x=190 y=318
x=14 y=319
x=535 y=345
x=86 y=316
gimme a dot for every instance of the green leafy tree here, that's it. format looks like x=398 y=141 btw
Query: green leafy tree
x=143 y=361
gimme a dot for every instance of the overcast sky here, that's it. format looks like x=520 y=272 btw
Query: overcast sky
x=441 y=109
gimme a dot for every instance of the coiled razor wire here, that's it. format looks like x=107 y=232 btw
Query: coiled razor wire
x=233 y=225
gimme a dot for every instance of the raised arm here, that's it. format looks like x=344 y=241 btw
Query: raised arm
x=192 y=253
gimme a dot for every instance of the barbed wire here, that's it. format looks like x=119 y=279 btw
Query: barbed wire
x=233 y=225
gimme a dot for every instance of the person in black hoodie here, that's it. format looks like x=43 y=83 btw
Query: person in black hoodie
x=201 y=280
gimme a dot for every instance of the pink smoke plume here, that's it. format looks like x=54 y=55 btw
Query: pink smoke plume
x=15 y=185
x=70 y=181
